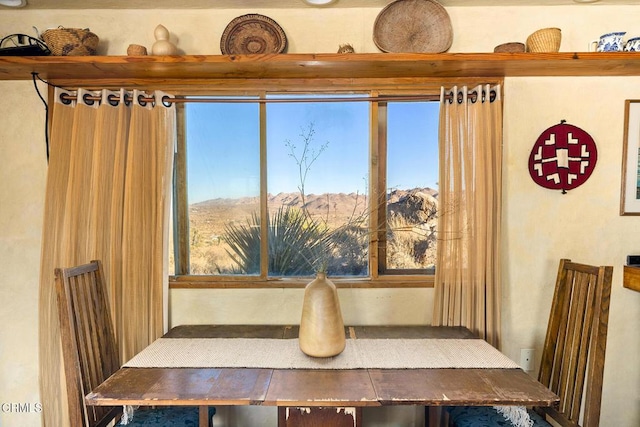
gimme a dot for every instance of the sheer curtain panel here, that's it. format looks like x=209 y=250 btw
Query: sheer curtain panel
x=107 y=198
x=467 y=286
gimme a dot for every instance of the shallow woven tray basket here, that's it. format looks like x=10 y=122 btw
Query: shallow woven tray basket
x=253 y=34
x=544 y=40
x=413 y=26
x=71 y=41
x=511 y=47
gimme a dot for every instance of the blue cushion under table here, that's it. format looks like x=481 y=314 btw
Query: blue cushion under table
x=486 y=416
x=167 y=416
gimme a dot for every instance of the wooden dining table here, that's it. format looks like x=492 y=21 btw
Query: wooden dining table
x=314 y=397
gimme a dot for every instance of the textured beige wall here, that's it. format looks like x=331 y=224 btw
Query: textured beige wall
x=476 y=29
x=22 y=180
x=541 y=226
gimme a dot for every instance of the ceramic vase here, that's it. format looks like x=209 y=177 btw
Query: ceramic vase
x=321 y=326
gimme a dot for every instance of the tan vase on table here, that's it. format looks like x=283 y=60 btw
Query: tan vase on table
x=321 y=326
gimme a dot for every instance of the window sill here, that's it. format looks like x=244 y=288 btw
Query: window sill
x=211 y=282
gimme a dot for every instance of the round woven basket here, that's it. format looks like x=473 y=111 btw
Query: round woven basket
x=511 y=47
x=252 y=34
x=71 y=41
x=413 y=26
x=136 y=50
x=544 y=40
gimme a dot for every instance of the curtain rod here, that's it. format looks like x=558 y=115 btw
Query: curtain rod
x=65 y=98
x=167 y=100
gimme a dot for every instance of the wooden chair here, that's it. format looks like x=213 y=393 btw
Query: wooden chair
x=572 y=363
x=90 y=351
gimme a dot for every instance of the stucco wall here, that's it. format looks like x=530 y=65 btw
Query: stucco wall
x=540 y=226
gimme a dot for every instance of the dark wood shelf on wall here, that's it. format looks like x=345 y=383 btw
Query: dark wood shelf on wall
x=319 y=66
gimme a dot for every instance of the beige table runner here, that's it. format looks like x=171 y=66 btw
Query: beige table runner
x=286 y=354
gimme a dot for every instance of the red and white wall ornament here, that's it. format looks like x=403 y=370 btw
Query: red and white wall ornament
x=563 y=157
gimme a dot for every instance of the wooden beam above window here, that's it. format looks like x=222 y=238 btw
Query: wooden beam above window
x=172 y=70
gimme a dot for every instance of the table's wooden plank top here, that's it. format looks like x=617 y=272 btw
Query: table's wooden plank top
x=185 y=386
x=338 y=388
x=233 y=331
x=291 y=331
x=459 y=387
x=303 y=387
x=412 y=332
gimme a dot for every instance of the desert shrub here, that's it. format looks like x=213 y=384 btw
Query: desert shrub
x=347 y=250
x=298 y=246
x=410 y=245
x=295 y=243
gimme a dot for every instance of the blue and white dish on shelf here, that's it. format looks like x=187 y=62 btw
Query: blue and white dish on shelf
x=611 y=42
x=632 y=45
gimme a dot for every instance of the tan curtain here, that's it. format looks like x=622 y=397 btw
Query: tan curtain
x=107 y=198
x=467 y=287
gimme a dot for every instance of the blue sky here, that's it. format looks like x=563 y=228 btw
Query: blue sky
x=223 y=148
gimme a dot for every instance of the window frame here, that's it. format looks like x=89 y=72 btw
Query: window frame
x=428 y=88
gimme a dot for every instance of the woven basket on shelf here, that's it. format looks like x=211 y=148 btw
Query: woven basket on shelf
x=71 y=41
x=136 y=50
x=413 y=26
x=252 y=34
x=511 y=47
x=544 y=40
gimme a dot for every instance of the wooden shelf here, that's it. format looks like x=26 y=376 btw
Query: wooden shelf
x=320 y=66
x=631 y=278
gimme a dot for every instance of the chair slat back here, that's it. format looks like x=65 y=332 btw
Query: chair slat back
x=89 y=346
x=572 y=363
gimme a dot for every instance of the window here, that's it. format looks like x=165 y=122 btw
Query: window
x=412 y=186
x=278 y=186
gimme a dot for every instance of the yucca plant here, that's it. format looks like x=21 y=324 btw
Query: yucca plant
x=296 y=245
x=244 y=241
